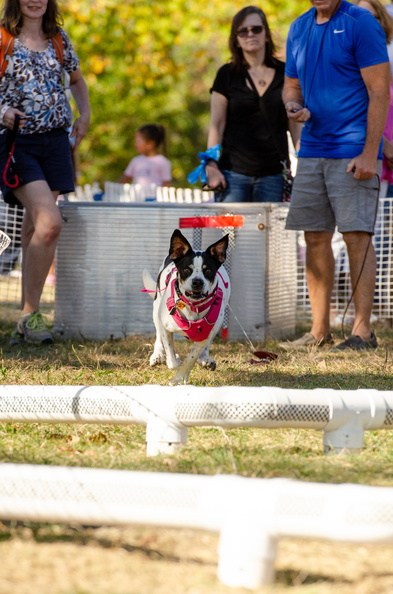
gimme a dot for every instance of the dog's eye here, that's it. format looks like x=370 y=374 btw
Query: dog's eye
x=187 y=271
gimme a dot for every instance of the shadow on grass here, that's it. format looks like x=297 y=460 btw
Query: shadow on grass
x=294 y=578
x=83 y=536
x=80 y=535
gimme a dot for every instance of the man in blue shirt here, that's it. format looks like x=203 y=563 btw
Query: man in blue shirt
x=337 y=84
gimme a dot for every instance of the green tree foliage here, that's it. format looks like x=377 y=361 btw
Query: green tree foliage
x=153 y=61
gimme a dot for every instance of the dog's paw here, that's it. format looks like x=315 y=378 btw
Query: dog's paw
x=173 y=364
x=208 y=363
x=178 y=380
x=157 y=359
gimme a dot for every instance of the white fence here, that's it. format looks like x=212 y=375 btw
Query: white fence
x=167 y=412
x=137 y=193
x=11 y=222
x=251 y=515
x=342 y=290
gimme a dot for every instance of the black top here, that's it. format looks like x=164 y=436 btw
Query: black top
x=247 y=145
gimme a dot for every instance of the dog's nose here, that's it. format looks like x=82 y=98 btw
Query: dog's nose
x=197 y=284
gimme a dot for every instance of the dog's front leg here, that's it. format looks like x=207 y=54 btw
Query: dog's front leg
x=168 y=344
x=165 y=345
x=158 y=355
x=172 y=360
x=164 y=348
x=204 y=359
x=183 y=373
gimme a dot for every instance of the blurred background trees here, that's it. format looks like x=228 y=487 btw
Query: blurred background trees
x=153 y=61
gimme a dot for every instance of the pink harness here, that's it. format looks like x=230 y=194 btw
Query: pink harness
x=198 y=330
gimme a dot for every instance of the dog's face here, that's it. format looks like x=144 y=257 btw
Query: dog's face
x=196 y=270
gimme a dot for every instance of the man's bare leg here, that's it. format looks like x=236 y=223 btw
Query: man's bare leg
x=320 y=279
x=361 y=250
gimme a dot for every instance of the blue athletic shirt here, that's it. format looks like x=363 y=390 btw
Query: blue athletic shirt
x=327 y=59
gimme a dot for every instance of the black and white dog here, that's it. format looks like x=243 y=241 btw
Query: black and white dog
x=190 y=297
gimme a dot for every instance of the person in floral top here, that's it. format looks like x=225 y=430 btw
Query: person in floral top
x=34 y=88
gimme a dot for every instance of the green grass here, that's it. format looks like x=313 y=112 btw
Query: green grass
x=249 y=452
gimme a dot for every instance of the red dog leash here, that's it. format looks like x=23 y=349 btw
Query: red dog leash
x=11 y=138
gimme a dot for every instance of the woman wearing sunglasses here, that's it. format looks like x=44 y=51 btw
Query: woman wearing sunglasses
x=248 y=118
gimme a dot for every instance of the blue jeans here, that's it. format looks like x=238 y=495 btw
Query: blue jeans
x=246 y=188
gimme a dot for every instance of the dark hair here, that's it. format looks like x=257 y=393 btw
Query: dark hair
x=237 y=58
x=12 y=18
x=154 y=132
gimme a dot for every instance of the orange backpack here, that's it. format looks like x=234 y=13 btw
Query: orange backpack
x=7 y=46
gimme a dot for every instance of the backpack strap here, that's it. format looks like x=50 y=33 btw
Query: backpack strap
x=6 y=47
x=58 y=44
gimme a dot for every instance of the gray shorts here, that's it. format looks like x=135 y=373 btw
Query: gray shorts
x=325 y=196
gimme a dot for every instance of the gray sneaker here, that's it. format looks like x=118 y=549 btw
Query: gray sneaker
x=355 y=343
x=305 y=341
x=33 y=329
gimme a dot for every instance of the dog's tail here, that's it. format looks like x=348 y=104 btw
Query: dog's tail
x=149 y=283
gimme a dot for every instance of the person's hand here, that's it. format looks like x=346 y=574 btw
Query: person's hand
x=9 y=118
x=79 y=130
x=215 y=177
x=362 y=167
x=296 y=112
x=388 y=152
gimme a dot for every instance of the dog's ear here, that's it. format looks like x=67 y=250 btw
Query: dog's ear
x=179 y=246
x=218 y=250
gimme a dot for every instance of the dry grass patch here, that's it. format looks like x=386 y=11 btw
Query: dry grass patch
x=136 y=560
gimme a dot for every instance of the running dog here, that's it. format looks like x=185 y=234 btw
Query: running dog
x=190 y=297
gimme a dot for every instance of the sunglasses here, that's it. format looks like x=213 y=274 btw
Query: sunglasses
x=256 y=30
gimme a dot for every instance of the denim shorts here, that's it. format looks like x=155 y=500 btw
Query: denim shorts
x=246 y=188
x=325 y=196
x=46 y=156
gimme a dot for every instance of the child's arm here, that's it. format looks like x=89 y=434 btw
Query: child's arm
x=128 y=174
x=124 y=179
x=166 y=173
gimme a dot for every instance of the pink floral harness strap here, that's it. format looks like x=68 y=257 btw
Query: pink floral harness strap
x=197 y=330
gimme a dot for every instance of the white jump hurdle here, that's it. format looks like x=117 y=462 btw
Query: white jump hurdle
x=167 y=412
x=251 y=515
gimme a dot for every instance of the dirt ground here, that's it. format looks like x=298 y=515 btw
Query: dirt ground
x=137 y=560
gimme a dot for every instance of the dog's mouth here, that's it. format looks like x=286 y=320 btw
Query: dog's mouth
x=196 y=295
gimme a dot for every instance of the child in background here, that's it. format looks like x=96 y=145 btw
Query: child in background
x=149 y=167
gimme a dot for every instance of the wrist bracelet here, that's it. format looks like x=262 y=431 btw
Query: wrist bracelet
x=2 y=112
